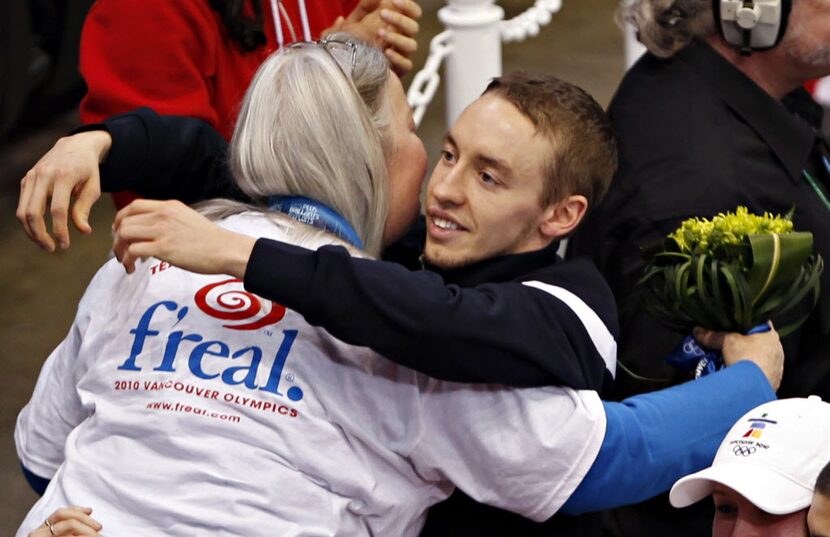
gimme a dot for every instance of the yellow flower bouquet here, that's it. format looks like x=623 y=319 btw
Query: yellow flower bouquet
x=732 y=273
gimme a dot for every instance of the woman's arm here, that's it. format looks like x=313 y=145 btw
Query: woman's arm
x=37 y=483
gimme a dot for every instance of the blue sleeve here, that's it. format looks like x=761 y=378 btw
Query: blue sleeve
x=37 y=483
x=654 y=439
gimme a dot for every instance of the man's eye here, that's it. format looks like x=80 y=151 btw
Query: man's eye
x=447 y=156
x=726 y=509
x=489 y=179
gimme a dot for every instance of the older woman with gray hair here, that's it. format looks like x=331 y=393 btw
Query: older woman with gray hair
x=180 y=404
x=712 y=117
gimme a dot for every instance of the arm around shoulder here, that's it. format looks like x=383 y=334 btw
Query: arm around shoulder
x=505 y=333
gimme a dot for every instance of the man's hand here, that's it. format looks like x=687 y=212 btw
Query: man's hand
x=74 y=521
x=69 y=170
x=173 y=232
x=391 y=25
x=763 y=349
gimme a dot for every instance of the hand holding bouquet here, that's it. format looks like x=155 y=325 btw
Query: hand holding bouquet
x=733 y=273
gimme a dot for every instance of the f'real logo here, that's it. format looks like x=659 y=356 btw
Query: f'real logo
x=229 y=301
x=213 y=358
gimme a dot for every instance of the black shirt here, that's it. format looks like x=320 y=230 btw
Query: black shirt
x=698 y=137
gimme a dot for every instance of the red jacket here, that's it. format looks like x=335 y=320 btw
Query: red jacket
x=175 y=56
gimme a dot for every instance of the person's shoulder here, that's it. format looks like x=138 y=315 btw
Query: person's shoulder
x=654 y=87
x=279 y=227
x=651 y=75
x=581 y=277
x=246 y=220
x=669 y=125
x=572 y=273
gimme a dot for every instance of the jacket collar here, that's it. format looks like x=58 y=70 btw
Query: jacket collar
x=785 y=126
x=499 y=269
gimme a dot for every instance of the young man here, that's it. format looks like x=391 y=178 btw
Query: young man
x=518 y=171
x=763 y=474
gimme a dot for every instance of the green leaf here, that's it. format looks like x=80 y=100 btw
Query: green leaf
x=775 y=259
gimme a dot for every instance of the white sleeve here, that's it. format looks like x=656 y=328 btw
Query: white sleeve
x=55 y=408
x=521 y=450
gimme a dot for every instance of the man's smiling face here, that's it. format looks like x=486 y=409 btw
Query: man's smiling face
x=484 y=196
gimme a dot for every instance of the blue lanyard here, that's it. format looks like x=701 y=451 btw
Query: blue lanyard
x=815 y=186
x=314 y=213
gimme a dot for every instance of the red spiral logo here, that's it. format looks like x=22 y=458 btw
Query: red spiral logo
x=234 y=303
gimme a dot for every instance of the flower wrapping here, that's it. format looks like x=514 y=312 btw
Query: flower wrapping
x=732 y=273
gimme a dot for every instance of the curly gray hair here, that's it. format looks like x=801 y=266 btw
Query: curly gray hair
x=667 y=26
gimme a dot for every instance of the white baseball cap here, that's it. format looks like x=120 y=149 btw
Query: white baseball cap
x=771 y=456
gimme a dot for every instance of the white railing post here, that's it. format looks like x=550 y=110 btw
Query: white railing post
x=471 y=44
x=476 y=50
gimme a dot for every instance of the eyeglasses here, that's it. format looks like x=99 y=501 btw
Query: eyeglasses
x=344 y=53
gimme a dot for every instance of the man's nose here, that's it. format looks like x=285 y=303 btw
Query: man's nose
x=749 y=528
x=449 y=186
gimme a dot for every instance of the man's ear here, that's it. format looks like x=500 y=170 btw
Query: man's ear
x=562 y=217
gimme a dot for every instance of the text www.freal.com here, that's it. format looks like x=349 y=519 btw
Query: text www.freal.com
x=178 y=407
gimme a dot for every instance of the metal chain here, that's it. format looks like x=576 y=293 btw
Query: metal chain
x=426 y=82
x=519 y=28
x=528 y=23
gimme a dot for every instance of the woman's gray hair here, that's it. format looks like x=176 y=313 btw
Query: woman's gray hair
x=308 y=129
x=666 y=26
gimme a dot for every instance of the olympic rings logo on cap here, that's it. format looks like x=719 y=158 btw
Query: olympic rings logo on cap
x=743 y=451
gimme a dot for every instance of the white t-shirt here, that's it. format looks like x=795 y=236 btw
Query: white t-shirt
x=181 y=405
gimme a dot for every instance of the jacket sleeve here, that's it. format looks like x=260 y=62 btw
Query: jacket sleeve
x=654 y=439
x=166 y=157
x=505 y=333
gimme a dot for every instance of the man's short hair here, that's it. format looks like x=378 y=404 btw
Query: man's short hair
x=583 y=149
x=823 y=481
